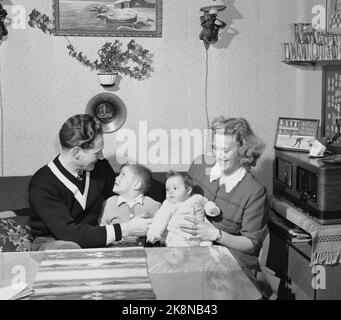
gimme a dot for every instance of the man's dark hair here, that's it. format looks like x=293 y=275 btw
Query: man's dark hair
x=80 y=131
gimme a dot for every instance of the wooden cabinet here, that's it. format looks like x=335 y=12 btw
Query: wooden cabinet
x=291 y=262
x=299 y=275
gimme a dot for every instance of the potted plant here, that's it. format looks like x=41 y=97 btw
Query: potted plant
x=135 y=61
x=110 y=63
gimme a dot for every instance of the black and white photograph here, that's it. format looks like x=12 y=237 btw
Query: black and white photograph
x=296 y=134
x=168 y=156
x=127 y=18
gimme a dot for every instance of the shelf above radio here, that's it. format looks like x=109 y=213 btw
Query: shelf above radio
x=313 y=63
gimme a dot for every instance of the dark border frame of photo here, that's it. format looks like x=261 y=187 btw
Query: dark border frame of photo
x=157 y=33
x=315 y=121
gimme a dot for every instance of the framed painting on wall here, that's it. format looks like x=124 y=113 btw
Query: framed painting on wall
x=334 y=16
x=108 y=18
x=295 y=134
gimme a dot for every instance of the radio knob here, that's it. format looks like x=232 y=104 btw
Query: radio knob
x=303 y=201
x=304 y=196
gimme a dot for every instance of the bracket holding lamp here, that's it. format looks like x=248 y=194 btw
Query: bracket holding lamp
x=3 y=29
x=210 y=23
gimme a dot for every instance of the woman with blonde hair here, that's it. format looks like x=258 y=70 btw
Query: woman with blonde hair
x=226 y=180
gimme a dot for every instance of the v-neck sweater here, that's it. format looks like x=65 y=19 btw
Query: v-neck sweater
x=56 y=212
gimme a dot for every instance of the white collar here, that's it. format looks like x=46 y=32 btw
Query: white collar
x=130 y=203
x=231 y=180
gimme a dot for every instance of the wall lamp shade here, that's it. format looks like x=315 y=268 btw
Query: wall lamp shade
x=214 y=7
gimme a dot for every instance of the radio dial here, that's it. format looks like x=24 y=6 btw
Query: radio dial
x=304 y=196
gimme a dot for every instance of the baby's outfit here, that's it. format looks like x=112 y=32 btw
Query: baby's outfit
x=169 y=218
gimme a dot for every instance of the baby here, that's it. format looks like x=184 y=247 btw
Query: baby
x=130 y=186
x=179 y=204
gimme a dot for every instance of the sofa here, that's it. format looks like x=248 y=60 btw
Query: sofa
x=14 y=209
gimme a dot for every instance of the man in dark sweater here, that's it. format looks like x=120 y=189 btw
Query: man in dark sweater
x=66 y=195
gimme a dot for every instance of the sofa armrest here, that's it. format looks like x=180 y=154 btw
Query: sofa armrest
x=14 y=192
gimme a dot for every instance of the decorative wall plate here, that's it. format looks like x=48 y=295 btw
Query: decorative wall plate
x=109 y=109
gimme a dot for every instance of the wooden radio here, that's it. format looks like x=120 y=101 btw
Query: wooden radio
x=310 y=184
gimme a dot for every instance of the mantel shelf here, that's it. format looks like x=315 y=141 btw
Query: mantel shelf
x=313 y=63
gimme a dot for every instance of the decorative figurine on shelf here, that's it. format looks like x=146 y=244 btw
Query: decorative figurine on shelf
x=211 y=26
x=3 y=29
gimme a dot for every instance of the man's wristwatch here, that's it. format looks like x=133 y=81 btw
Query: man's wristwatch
x=219 y=236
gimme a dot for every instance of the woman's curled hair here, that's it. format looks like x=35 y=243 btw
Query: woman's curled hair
x=250 y=146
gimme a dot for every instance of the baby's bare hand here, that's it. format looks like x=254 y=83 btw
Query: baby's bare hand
x=152 y=239
x=153 y=236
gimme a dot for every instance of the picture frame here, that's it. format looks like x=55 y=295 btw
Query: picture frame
x=333 y=18
x=296 y=134
x=330 y=111
x=108 y=18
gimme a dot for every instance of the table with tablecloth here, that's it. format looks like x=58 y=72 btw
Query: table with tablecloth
x=194 y=273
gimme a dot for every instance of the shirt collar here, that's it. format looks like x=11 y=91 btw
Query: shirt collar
x=131 y=203
x=231 y=180
x=215 y=173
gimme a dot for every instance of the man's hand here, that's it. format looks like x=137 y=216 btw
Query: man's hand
x=135 y=227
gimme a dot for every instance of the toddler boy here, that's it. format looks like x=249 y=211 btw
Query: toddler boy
x=130 y=186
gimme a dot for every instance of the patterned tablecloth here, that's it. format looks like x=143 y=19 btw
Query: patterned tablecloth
x=93 y=274
x=193 y=273
x=326 y=239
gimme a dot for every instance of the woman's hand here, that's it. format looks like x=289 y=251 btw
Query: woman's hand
x=204 y=230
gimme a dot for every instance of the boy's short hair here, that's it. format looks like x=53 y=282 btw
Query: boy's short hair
x=143 y=173
x=187 y=179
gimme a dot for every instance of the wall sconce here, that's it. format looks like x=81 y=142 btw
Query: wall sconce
x=3 y=29
x=210 y=23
